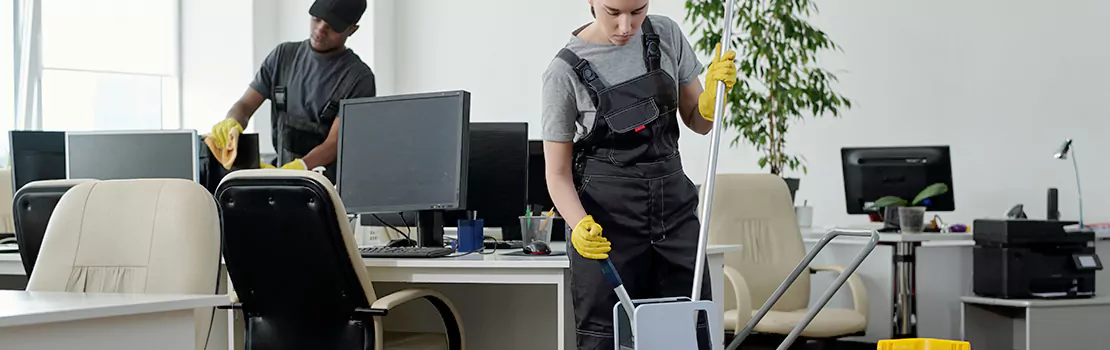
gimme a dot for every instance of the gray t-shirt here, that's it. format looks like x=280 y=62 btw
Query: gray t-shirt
x=313 y=77
x=568 y=112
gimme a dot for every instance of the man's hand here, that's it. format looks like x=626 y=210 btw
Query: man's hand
x=296 y=164
x=222 y=131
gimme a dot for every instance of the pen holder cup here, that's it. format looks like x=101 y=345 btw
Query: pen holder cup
x=536 y=228
x=470 y=236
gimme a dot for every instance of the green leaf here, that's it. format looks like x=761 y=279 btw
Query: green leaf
x=888 y=201
x=931 y=191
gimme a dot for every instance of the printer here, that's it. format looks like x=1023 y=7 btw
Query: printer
x=1028 y=259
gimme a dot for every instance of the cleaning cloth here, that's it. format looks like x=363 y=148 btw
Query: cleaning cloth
x=226 y=154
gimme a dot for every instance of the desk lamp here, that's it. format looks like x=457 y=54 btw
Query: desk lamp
x=1062 y=154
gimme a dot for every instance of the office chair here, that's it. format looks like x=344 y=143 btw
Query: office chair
x=756 y=210
x=33 y=206
x=299 y=279
x=133 y=236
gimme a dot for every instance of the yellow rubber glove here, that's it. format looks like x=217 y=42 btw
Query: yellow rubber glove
x=266 y=166
x=723 y=68
x=296 y=164
x=221 y=132
x=587 y=240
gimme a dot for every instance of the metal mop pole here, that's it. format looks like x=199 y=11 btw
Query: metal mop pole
x=711 y=173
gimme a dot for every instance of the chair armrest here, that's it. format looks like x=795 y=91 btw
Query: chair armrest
x=452 y=322
x=735 y=281
x=855 y=284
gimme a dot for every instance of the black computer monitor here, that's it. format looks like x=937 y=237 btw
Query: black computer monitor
x=212 y=172
x=537 y=177
x=36 y=155
x=149 y=154
x=497 y=183
x=875 y=172
x=405 y=153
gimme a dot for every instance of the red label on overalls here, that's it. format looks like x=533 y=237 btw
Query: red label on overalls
x=638 y=128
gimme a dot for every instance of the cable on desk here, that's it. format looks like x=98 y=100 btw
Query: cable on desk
x=391 y=226
x=406 y=222
x=483 y=250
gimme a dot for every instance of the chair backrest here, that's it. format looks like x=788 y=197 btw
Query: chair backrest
x=292 y=259
x=6 y=222
x=133 y=236
x=32 y=206
x=755 y=210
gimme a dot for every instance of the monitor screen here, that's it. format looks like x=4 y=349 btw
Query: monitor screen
x=155 y=154
x=537 y=177
x=876 y=172
x=405 y=152
x=497 y=181
x=37 y=155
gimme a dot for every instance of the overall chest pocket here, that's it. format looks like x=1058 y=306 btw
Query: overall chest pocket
x=634 y=118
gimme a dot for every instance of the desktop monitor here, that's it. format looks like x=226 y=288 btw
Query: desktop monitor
x=37 y=155
x=405 y=153
x=497 y=180
x=876 y=172
x=537 y=177
x=112 y=155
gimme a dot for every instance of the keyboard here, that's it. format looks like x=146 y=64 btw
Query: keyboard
x=404 y=252
x=504 y=245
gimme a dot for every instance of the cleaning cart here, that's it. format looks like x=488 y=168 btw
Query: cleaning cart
x=651 y=324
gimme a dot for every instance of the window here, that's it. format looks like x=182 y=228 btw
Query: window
x=109 y=65
x=7 y=77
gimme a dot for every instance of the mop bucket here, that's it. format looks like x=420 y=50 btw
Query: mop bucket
x=923 y=344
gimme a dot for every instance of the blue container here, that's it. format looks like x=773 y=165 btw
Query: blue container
x=470 y=237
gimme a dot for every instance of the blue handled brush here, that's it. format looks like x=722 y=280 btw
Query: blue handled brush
x=611 y=275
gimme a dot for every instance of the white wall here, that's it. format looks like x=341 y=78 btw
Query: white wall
x=1002 y=82
x=223 y=49
x=216 y=58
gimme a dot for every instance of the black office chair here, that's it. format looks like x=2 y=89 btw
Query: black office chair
x=297 y=273
x=32 y=207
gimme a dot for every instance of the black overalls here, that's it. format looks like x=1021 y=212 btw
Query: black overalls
x=296 y=135
x=629 y=177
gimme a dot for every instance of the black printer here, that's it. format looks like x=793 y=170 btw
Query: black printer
x=1026 y=259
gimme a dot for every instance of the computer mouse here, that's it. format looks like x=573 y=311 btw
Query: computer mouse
x=403 y=242
x=537 y=248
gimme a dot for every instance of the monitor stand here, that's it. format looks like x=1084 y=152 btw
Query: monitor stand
x=429 y=228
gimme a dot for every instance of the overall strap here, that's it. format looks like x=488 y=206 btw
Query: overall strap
x=652 y=50
x=585 y=73
x=286 y=55
x=342 y=89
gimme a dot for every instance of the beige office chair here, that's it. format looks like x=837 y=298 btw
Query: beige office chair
x=298 y=275
x=133 y=236
x=6 y=216
x=755 y=210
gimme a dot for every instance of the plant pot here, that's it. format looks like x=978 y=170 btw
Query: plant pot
x=911 y=219
x=792 y=184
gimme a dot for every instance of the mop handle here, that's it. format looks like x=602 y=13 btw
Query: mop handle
x=611 y=275
x=711 y=173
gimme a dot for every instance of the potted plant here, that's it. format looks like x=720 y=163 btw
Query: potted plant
x=777 y=53
x=888 y=206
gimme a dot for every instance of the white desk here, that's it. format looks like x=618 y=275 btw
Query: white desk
x=46 y=320
x=892 y=272
x=506 y=302
x=1007 y=324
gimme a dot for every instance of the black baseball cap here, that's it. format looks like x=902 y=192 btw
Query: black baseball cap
x=339 y=14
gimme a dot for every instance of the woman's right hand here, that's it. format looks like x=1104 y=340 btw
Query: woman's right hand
x=587 y=240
